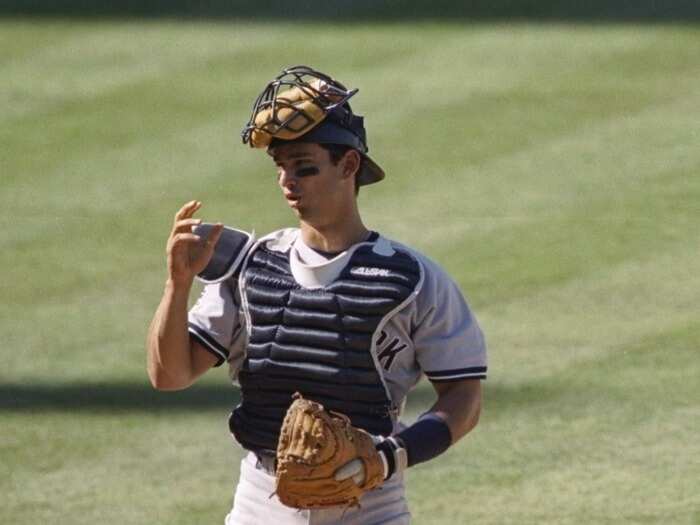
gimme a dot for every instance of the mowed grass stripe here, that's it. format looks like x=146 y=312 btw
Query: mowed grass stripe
x=95 y=270
x=585 y=156
x=87 y=332
x=100 y=148
x=116 y=119
x=135 y=469
x=530 y=336
x=98 y=179
x=584 y=446
x=565 y=327
x=535 y=88
x=204 y=45
x=194 y=65
x=609 y=192
x=93 y=61
x=21 y=39
x=532 y=455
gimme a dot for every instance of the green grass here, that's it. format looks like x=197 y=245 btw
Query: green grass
x=552 y=169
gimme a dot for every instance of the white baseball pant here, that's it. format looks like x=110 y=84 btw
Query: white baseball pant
x=253 y=505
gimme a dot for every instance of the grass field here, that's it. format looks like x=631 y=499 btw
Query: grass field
x=552 y=169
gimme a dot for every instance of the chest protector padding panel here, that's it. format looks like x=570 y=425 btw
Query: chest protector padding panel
x=316 y=341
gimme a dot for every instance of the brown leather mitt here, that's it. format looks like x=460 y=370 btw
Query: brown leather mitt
x=314 y=444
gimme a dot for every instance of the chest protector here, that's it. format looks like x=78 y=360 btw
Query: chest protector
x=317 y=341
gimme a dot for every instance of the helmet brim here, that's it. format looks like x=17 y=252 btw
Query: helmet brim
x=329 y=132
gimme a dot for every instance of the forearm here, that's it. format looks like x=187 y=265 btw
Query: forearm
x=459 y=407
x=453 y=415
x=168 y=345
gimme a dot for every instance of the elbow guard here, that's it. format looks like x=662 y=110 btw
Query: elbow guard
x=229 y=253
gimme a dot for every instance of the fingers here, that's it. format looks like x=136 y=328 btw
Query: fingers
x=354 y=469
x=185 y=225
x=186 y=238
x=187 y=210
x=201 y=248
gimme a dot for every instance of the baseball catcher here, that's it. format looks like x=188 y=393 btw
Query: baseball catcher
x=325 y=327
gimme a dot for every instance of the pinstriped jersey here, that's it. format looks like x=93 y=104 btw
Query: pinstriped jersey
x=434 y=334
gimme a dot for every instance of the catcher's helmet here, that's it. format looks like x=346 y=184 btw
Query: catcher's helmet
x=304 y=105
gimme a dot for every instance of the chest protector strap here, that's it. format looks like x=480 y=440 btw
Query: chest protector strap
x=317 y=341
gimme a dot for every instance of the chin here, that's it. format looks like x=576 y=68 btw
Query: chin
x=306 y=215
x=298 y=211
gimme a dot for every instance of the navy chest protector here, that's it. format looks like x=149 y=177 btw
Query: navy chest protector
x=317 y=341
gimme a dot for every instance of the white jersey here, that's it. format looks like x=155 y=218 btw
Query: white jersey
x=434 y=334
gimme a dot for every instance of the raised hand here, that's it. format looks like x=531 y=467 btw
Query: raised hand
x=188 y=254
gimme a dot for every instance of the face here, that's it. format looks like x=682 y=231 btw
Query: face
x=315 y=188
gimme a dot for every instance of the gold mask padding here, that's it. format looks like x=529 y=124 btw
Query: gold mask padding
x=293 y=113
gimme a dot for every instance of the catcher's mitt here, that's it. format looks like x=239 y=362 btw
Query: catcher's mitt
x=314 y=444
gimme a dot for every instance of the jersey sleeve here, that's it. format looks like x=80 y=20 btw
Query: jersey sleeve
x=448 y=341
x=214 y=320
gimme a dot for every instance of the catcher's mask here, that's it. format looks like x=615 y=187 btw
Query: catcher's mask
x=304 y=105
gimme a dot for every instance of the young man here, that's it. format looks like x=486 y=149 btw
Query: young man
x=330 y=309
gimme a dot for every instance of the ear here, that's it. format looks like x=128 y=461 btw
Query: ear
x=351 y=163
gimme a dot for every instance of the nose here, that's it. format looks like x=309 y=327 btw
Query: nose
x=286 y=178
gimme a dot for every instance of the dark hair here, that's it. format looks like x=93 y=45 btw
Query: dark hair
x=336 y=152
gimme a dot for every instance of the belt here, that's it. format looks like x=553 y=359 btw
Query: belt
x=266 y=462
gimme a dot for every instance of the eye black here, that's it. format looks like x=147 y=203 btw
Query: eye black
x=307 y=172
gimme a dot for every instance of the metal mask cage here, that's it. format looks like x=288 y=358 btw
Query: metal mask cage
x=327 y=94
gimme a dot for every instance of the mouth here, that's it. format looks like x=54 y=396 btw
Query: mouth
x=292 y=198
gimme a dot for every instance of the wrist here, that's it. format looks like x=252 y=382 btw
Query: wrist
x=178 y=287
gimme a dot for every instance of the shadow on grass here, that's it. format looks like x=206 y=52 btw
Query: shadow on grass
x=658 y=367
x=112 y=397
x=368 y=10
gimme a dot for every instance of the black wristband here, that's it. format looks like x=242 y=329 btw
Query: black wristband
x=426 y=438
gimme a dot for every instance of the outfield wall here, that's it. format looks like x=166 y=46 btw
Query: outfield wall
x=593 y=10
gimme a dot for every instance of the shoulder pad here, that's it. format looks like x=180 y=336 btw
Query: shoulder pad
x=229 y=252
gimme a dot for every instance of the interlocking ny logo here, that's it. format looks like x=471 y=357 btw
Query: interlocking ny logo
x=387 y=353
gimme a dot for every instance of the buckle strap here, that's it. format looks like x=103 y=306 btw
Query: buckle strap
x=266 y=461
